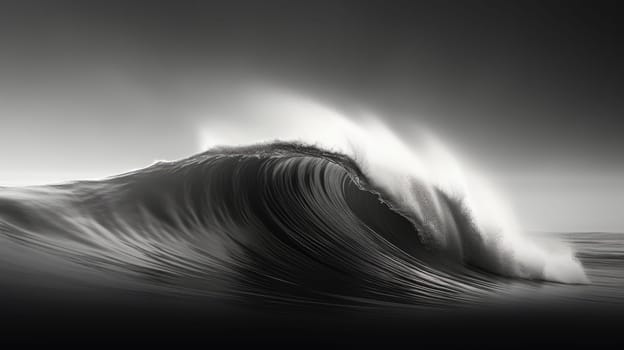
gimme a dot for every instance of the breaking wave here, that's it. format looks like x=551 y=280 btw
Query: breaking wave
x=358 y=220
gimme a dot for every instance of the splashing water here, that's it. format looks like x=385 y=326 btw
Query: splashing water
x=421 y=180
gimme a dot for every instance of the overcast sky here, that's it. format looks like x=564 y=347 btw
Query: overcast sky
x=529 y=92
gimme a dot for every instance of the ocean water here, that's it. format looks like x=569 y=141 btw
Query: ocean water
x=247 y=243
x=602 y=256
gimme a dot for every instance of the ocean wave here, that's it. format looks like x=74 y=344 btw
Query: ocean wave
x=279 y=221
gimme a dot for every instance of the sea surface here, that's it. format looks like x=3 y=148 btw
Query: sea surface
x=286 y=242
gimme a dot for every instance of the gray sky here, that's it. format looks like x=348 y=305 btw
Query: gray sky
x=529 y=92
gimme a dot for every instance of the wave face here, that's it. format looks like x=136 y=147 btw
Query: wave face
x=280 y=221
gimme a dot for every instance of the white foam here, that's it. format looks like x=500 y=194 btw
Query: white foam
x=410 y=175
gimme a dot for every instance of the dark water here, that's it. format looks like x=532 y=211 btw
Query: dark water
x=602 y=255
x=46 y=308
x=280 y=243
